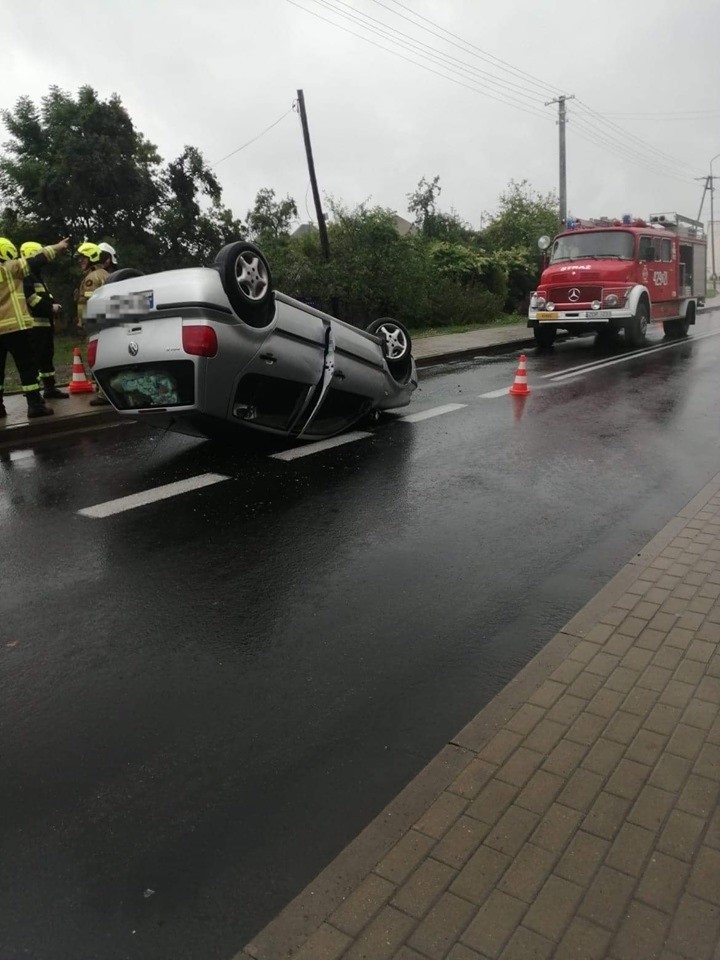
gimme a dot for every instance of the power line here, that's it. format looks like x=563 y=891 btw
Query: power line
x=233 y=152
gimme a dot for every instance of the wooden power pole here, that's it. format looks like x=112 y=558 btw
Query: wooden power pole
x=324 y=245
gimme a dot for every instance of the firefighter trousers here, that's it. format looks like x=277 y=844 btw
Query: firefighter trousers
x=19 y=344
x=44 y=341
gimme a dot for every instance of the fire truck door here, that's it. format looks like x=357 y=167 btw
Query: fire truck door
x=657 y=271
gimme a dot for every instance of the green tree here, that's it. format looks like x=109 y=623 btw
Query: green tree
x=270 y=217
x=523 y=216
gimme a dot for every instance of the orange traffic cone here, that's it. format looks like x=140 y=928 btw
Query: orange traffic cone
x=79 y=382
x=520 y=387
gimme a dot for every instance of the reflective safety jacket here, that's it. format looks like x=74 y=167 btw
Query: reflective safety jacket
x=39 y=299
x=14 y=312
x=91 y=282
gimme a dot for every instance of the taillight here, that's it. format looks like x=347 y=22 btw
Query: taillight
x=199 y=341
x=92 y=352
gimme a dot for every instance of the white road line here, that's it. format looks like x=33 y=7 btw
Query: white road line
x=310 y=448
x=107 y=509
x=432 y=412
x=493 y=394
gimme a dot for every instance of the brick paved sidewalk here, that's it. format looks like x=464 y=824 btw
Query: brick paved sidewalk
x=577 y=815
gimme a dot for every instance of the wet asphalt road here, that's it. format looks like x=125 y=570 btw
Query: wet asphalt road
x=203 y=700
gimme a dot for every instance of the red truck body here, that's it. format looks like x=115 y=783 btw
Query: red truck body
x=609 y=275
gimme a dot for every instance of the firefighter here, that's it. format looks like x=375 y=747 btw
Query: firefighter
x=94 y=276
x=108 y=263
x=16 y=322
x=44 y=309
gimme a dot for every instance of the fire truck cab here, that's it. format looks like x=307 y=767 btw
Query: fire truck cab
x=609 y=275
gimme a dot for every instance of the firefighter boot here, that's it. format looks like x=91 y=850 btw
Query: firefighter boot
x=3 y=411
x=51 y=392
x=36 y=407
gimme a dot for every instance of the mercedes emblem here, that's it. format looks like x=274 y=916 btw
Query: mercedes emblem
x=574 y=295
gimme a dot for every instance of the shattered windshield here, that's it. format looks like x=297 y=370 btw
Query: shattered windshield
x=614 y=245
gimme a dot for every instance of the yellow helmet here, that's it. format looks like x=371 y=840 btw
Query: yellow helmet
x=30 y=248
x=89 y=250
x=8 y=250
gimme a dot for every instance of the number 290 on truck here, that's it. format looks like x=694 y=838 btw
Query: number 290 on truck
x=606 y=275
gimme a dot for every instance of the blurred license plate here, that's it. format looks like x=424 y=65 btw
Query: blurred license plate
x=546 y=316
x=597 y=314
x=130 y=304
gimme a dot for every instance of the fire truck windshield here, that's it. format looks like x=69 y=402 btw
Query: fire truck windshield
x=593 y=244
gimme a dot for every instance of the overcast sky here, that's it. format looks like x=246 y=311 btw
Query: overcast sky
x=644 y=124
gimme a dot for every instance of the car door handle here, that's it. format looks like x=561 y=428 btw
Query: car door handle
x=268 y=357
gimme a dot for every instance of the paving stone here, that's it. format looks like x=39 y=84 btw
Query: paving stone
x=473 y=778
x=528 y=872
x=663 y=882
x=540 y=792
x=603 y=757
x=623 y=727
x=480 y=874
x=667 y=657
x=663 y=719
x=405 y=856
x=581 y=790
x=677 y=694
x=655 y=595
x=651 y=808
x=709 y=631
x=553 y=907
x=663 y=622
x=494 y=924
x=500 y=747
x=655 y=678
x=714 y=733
x=461 y=841
x=567 y=671
x=632 y=626
x=637 y=659
x=527 y=945
x=604 y=903
x=670 y=773
x=564 y=758
x=491 y=803
x=646 y=747
x=618 y=645
x=701 y=650
x=677 y=637
x=520 y=767
x=424 y=887
x=441 y=815
x=708 y=762
x=326 y=943
x=547 y=693
x=699 y=797
x=614 y=616
x=461 y=952
x=686 y=741
x=583 y=652
x=566 y=709
x=642 y=933
x=700 y=713
x=713 y=668
x=544 y=737
x=631 y=848
x=650 y=639
x=383 y=937
x=694 y=928
x=600 y=632
x=690 y=620
x=628 y=779
x=586 y=729
x=442 y=926
x=705 y=877
x=603 y=664
x=709 y=689
x=586 y=685
x=583 y=941
x=512 y=830
x=689 y=671
x=362 y=905
x=582 y=857
x=606 y=702
x=622 y=679
x=606 y=815
x=556 y=828
x=639 y=701
x=527 y=717
x=407 y=953
x=681 y=835
x=645 y=609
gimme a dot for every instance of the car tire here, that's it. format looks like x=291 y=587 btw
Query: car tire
x=636 y=327
x=247 y=282
x=679 y=328
x=125 y=273
x=544 y=336
x=396 y=346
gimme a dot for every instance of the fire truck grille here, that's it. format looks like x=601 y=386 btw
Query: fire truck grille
x=578 y=295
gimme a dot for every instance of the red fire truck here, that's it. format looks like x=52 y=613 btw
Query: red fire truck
x=609 y=275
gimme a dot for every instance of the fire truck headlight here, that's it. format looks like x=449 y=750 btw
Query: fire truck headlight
x=550 y=306
x=611 y=300
x=539 y=303
x=595 y=305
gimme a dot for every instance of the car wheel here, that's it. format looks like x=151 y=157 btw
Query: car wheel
x=679 y=328
x=636 y=327
x=247 y=282
x=396 y=346
x=544 y=336
x=126 y=273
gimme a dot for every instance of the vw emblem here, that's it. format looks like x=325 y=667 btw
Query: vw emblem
x=133 y=348
x=573 y=295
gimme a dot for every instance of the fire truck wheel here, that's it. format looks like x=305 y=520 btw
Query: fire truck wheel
x=676 y=328
x=636 y=328
x=544 y=336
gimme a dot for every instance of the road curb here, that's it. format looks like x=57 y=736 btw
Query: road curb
x=489 y=349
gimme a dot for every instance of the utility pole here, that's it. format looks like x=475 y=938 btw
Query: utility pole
x=322 y=228
x=562 y=120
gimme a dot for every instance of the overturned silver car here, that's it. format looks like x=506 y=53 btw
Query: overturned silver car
x=208 y=347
